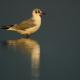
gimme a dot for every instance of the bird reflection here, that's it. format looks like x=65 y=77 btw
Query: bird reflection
x=32 y=47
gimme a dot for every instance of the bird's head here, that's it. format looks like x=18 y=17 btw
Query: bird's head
x=37 y=12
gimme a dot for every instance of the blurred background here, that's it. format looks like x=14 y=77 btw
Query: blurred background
x=52 y=53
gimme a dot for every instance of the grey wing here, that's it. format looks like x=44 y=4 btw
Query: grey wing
x=25 y=24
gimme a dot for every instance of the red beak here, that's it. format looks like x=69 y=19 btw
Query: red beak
x=42 y=14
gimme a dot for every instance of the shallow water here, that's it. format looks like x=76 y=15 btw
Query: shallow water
x=52 y=53
x=39 y=57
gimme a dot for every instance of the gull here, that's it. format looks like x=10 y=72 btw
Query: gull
x=29 y=26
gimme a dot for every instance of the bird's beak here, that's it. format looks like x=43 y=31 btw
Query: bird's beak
x=42 y=14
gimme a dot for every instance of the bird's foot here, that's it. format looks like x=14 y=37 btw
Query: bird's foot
x=26 y=36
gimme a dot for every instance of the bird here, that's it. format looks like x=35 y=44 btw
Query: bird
x=28 y=26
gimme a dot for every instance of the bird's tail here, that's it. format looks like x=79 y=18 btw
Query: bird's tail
x=6 y=26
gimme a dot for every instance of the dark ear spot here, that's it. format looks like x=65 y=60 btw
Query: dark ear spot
x=35 y=11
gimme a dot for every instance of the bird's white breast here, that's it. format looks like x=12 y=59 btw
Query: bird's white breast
x=37 y=22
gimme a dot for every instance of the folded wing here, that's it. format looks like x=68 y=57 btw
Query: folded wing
x=25 y=25
x=6 y=26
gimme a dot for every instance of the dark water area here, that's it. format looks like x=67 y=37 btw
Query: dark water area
x=52 y=53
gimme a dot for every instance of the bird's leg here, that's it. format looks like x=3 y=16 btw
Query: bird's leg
x=27 y=36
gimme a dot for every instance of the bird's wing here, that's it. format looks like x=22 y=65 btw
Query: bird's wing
x=25 y=24
x=6 y=26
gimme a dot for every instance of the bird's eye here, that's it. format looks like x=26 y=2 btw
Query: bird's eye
x=38 y=11
x=35 y=11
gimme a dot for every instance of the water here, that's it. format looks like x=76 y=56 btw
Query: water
x=39 y=57
x=52 y=53
x=20 y=57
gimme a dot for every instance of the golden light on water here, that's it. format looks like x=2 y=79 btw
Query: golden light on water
x=33 y=48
